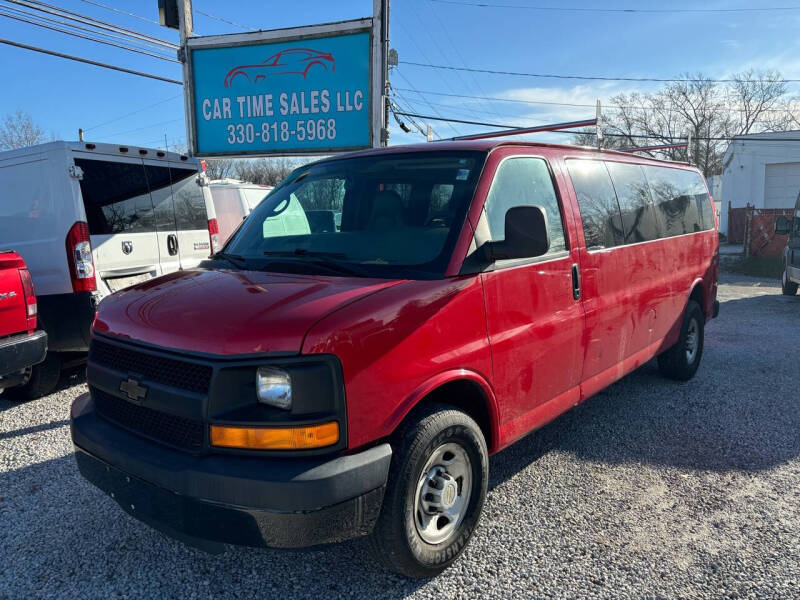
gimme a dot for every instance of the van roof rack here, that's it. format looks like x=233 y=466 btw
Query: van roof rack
x=524 y=130
x=631 y=150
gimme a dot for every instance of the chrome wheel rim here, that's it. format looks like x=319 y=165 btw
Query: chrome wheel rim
x=443 y=493
x=692 y=340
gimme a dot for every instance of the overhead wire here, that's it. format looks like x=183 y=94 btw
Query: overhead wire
x=478 y=4
x=88 y=61
x=98 y=23
x=122 y=12
x=22 y=19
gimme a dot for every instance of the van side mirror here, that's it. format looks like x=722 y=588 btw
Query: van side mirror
x=526 y=235
x=782 y=225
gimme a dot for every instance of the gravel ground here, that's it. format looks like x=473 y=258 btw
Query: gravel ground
x=649 y=489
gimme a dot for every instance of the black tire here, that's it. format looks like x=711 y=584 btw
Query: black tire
x=396 y=540
x=43 y=380
x=677 y=362
x=788 y=287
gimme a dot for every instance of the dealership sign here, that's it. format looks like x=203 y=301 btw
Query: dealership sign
x=306 y=90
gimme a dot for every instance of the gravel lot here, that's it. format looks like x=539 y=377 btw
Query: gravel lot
x=650 y=489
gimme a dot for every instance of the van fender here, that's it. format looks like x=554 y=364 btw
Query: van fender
x=437 y=381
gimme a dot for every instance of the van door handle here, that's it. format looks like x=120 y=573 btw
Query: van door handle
x=576 y=283
x=172 y=244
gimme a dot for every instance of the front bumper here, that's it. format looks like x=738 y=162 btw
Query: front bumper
x=210 y=500
x=19 y=352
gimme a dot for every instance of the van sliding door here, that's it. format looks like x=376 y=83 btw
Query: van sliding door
x=158 y=177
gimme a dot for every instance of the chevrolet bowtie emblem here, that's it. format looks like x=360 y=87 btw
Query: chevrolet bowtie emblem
x=133 y=390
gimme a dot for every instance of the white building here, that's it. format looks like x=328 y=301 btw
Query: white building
x=761 y=169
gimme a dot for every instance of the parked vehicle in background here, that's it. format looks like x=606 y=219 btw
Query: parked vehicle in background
x=233 y=201
x=21 y=345
x=354 y=379
x=790 y=279
x=91 y=219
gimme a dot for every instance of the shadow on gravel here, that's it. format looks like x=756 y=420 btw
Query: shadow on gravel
x=740 y=412
x=80 y=543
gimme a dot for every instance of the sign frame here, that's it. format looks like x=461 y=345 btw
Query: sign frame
x=370 y=25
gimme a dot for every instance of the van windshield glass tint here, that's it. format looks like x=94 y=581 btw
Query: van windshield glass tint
x=396 y=215
x=116 y=197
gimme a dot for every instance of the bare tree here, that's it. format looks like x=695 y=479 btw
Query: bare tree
x=265 y=171
x=712 y=112
x=19 y=131
x=220 y=168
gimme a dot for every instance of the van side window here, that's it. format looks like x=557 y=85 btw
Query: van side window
x=190 y=203
x=597 y=201
x=524 y=181
x=161 y=192
x=116 y=197
x=633 y=194
x=681 y=200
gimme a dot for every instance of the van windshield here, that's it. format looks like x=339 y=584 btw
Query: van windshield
x=396 y=215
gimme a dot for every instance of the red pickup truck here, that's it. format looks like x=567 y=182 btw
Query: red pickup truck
x=312 y=383
x=21 y=345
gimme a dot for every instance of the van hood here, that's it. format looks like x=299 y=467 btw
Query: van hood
x=229 y=312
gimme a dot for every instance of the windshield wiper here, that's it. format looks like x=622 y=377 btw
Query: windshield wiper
x=235 y=259
x=304 y=252
x=323 y=260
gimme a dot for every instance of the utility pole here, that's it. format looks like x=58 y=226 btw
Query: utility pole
x=380 y=9
x=185 y=29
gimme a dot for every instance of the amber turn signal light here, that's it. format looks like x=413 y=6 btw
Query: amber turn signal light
x=275 y=438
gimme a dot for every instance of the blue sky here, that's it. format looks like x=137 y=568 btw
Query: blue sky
x=62 y=95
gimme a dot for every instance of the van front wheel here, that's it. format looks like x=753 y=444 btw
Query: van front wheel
x=434 y=495
x=680 y=362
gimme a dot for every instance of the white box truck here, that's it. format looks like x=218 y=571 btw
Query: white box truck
x=91 y=219
x=233 y=201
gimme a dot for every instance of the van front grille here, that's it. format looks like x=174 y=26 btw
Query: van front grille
x=179 y=432
x=181 y=374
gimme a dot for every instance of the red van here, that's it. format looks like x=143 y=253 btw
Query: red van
x=310 y=384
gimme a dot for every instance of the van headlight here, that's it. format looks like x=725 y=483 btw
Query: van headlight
x=274 y=387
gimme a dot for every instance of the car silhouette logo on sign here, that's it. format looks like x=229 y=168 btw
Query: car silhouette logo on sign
x=292 y=61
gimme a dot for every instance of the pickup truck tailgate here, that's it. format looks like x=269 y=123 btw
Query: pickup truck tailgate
x=13 y=317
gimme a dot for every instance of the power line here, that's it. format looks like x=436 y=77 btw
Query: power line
x=575 y=104
x=617 y=10
x=587 y=77
x=73 y=16
x=122 y=12
x=89 y=62
x=85 y=37
x=135 y=129
x=126 y=39
x=222 y=20
x=144 y=108
x=620 y=135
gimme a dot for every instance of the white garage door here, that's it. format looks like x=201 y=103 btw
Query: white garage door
x=781 y=185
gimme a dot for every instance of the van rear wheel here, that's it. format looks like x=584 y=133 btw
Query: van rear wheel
x=680 y=362
x=434 y=495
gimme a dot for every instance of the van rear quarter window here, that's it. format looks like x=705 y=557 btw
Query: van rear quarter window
x=681 y=199
x=190 y=204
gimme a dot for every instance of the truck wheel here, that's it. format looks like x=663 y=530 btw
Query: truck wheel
x=434 y=495
x=44 y=378
x=681 y=361
x=788 y=287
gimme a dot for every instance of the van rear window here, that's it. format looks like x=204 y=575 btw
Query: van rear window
x=116 y=197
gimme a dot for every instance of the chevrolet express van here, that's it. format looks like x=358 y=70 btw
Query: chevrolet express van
x=90 y=219
x=306 y=387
